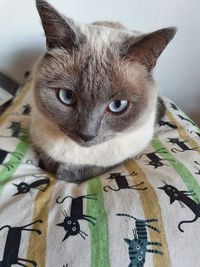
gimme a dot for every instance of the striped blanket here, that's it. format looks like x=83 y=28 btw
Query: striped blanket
x=144 y=213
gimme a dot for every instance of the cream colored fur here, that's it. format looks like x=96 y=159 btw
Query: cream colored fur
x=47 y=137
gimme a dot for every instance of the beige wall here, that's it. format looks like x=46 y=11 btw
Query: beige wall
x=178 y=70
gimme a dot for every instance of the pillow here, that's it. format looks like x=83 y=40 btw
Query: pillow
x=144 y=213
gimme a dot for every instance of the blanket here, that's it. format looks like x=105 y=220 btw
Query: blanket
x=145 y=212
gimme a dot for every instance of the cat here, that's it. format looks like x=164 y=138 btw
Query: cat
x=95 y=100
x=184 y=197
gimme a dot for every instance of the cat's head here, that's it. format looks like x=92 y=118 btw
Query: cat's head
x=156 y=164
x=95 y=82
x=22 y=188
x=171 y=191
x=173 y=140
x=72 y=227
x=137 y=247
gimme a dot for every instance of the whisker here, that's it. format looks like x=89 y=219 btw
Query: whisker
x=83 y=233
x=65 y=213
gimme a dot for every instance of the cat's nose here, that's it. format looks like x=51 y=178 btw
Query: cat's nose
x=86 y=138
x=162 y=188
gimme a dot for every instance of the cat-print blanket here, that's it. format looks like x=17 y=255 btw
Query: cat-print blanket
x=144 y=213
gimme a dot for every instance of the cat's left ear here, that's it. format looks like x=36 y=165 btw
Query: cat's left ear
x=147 y=48
x=59 y=31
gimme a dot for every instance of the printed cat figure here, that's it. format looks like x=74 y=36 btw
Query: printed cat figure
x=184 y=199
x=95 y=100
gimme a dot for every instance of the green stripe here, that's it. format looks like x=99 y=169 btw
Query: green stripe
x=184 y=173
x=99 y=232
x=5 y=174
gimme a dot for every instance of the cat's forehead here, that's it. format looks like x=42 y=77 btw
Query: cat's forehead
x=95 y=67
x=91 y=64
x=86 y=70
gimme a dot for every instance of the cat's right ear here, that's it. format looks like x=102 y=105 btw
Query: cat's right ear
x=128 y=241
x=147 y=48
x=59 y=31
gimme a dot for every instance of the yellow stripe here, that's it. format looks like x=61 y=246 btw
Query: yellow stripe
x=152 y=210
x=37 y=244
x=182 y=132
x=18 y=100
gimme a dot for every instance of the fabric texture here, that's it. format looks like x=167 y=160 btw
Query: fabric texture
x=144 y=213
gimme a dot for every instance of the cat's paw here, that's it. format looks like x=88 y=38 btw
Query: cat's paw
x=67 y=175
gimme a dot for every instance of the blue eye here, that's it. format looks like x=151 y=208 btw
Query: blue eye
x=67 y=97
x=118 y=106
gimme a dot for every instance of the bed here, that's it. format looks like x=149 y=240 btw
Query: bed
x=144 y=213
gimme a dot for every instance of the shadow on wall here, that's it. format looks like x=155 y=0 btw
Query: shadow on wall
x=22 y=62
x=195 y=114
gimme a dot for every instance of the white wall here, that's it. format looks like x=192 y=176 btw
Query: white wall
x=178 y=70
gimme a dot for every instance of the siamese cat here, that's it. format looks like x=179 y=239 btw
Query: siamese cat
x=95 y=99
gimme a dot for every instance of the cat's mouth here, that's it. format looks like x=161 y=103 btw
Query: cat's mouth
x=85 y=140
x=84 y=137
x=80 y=138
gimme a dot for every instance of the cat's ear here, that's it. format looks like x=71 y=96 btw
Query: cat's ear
x=147 y=48
x=128 y=241
x=59 y=31
x=172 y=199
